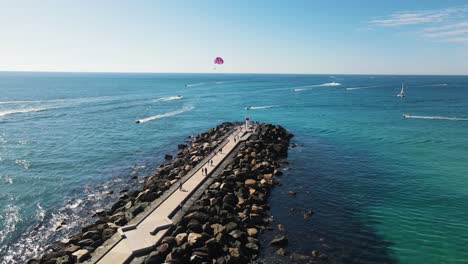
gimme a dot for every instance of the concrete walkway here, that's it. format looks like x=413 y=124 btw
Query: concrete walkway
x=142 y=237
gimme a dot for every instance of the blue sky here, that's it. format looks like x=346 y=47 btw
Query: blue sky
x=354 y=37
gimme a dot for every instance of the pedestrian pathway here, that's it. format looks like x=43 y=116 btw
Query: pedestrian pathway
x=143 y=236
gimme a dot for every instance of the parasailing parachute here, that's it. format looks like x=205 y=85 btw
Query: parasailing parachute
x=219 y=61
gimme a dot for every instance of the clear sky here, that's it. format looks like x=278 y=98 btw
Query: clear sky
x=271 y=36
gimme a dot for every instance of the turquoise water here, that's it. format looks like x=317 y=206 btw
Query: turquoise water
x=385 y=189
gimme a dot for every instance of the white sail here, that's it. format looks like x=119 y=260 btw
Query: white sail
x=402 y=92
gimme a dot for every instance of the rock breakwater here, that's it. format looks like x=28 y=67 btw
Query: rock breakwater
x=78 y=247
x=222 y=226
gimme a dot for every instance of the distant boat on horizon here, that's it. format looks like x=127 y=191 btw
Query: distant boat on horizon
x=402 y=92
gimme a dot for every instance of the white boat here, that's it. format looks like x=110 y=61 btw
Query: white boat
x=402 y=92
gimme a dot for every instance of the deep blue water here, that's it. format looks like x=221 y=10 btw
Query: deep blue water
x=384 y=189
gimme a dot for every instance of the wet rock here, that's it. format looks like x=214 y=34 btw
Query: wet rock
x=298 y=257
x=280 y=228
x=281 y=252
x=292 y=193
x=167 y=157
x=279 y=241
x=181 y=146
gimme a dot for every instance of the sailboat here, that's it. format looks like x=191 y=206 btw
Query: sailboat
x=402 y=92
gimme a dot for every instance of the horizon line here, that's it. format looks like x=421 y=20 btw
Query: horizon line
x=226 y=73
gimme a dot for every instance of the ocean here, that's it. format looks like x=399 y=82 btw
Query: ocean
x=383 y=188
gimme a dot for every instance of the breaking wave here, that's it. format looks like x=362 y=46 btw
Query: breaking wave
x=436 y=117
x=19 y=111
x=151 y=118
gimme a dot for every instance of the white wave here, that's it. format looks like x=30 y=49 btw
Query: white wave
x=40 y=214
x=7 y=179
x=194 y=84
x=23 y=163
x=10 y=217
x=27 y=110
x=260 y=107
x=151 y=118
x=169 y=98
x=75 y=204
x=436 y=117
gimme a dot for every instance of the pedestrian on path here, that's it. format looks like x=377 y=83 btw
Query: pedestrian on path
x=206 y=171
x=221 y=150
x=180 y=186
x=211 y=161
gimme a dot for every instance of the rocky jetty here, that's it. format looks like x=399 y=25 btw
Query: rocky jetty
x=223 y=224
x=78 y=247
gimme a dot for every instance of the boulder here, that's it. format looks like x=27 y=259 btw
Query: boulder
x=80 y=255
x=194 y=239
x=252 y=232
x=279 y=241
x=181 y=238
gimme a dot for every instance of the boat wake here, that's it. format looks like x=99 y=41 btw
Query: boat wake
x=436 y=117
x=194 y=84
x=169 y=98
x=168 y=114
x=359 y=88
x=27 y=110
x=310 y=87
x=260 y=107
x=330 y=84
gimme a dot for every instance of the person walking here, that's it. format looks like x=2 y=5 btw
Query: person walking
x=180 y=186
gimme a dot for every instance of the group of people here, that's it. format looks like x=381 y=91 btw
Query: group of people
x=210 y=162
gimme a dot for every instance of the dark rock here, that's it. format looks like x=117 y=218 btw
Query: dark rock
x=230 y=227
x=279 y=241
x=85 y=242
x=91 y=234
x=107 y=233
x=167 y=157
x=281 y=252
